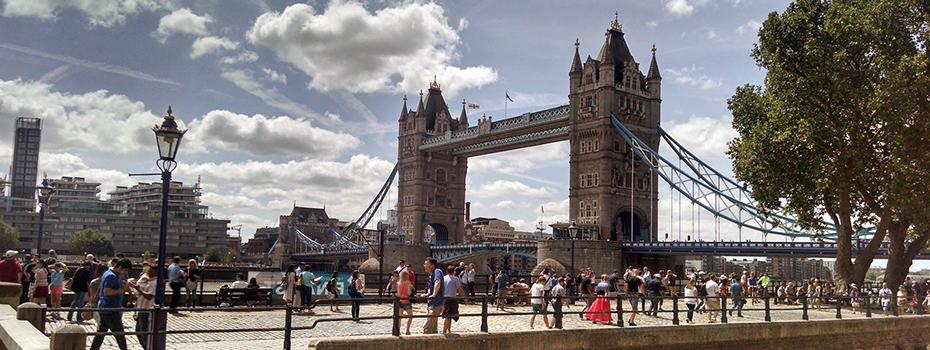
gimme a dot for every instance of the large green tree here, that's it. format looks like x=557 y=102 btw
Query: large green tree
x=9 y=238
x=841 y=129
x=90 y=241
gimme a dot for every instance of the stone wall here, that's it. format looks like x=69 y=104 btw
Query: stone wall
x=876 y=333
x=602 y=256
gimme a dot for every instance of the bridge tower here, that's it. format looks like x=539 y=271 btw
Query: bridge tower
x=431 y=186
x=609 y=192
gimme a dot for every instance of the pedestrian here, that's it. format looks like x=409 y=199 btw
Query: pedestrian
x=10 y=269
x=500 y=287
x=56 y=286
x=80 y=284
x=853 y=294
x=586 y=290
x=110 y=295
x=240 y=282
x=472 y=273
x=654 y=293
x=175 y=277
x=434 y=295
x=93 y=292
x=332 y=288
x=193 y=277
x=600 y=308
x=537 y=296
x=558 y=294
x=404 y=292
x=736 y=292
x=28 y=276
x=356 y=292
x=691 y=300
x=251 y=294
x=40 y=290
x=391 y=287
x=453 y=290
x=713 y=298
x=307 y=281
x=635 y=285
x=144 y=289
x=288 y=281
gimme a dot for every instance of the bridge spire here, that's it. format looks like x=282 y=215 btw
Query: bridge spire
x=653 y=67
x=403 y=110
x=463 y=118
x=576 y=61
x=420 y=106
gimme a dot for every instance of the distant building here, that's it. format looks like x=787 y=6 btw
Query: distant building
x=313 y=222
x=779 y=268
x=261 y=243
x=25 y=165
x=498 y=231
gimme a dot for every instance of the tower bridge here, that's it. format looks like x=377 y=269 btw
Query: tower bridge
x=612 y=124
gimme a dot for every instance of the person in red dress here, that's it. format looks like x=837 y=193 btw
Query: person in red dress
x=599 y=312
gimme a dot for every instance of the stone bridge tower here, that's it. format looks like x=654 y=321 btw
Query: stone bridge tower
x=431 y=186
x=602 y=176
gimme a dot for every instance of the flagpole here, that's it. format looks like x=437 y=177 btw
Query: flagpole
x=505 y=104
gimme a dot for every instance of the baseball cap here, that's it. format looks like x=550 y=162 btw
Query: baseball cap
x=9 y=254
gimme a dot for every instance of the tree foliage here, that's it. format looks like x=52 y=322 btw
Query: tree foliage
x=841 y=128
x=217 y=253
x=9 y=237
x=90 y=241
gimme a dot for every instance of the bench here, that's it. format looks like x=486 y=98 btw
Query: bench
x=233 y=296
x=518 y=295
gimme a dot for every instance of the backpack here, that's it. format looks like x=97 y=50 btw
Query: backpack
x=353 y=290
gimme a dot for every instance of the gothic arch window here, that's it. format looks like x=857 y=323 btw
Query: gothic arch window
x=581 y=209
x=441 y=175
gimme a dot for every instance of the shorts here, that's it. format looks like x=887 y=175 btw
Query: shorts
x=611 y=294
x=407 y=306
x=40 y=292
x=539 y=308
x=451 y=310
x=57 y=289
x=712 y=303
x=634 y=302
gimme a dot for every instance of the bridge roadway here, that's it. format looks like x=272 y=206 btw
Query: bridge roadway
x=722 y=248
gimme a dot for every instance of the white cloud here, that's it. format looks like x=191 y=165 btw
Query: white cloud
x=692 y=76
x=243 y=57
x=683 y=7
x=751 y=26
x=523 y=162
x=711 y=34
x=100 y=66
x=260 y=135
x=78 y=121
x=703 y=136
x=507 y=188
x=275 y=76
x=99 y=13
x=182 y=21
x=211 y=44
x=652 y=24
x=245 y=80
x=346 y=47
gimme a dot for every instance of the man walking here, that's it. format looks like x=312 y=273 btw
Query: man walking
x=736 y=291
x=435 y=301
x=558 y=294
x=452 y=289
x=307 y=281
x=110 y=295
x=174 y=281
x=537 y=299
x=145 y=301
x=633 y=286
x=713 y=301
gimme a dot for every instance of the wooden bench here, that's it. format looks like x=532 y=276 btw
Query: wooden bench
x=518 y=295
x=234 y=295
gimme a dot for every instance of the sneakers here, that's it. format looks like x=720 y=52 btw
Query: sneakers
x=633 y=324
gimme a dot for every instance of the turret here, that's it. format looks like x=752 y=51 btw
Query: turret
x=577 y=70
x=653 y=78
x=614 y=55
x=463 y=118
x=403 y=110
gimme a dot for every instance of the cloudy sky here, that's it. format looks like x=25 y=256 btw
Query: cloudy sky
x=297 y=102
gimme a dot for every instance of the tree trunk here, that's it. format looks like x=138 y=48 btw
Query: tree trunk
x=898 y=261
x=843 y=267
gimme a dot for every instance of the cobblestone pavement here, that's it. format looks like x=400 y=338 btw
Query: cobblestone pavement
x=503 y=321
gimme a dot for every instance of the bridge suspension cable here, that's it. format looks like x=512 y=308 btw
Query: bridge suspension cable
x=350 y=235
x=716 y=193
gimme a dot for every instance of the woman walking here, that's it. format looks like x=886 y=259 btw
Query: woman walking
x=356 y=292
x=691 y=300
x=40 y=291
x=287 y=285
x=193 y=278
x=80 y=284
x=600 y=309
x=332 y=287
x=404 y=292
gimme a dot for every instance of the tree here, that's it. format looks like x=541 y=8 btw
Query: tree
x=90 y=241
x=840 y=129
x=9 y=237
x=216 y=253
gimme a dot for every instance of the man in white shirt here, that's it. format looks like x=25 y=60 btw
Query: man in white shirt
x=557 y=293
x=240 y=282
x=713 y=301
x=144 y=289
x=537 y=299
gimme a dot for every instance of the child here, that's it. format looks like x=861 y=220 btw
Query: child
x=404 y=292
x=57 y=285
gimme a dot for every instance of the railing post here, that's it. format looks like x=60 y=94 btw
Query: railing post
x=868 y=305
x=395 y=319
x=723 y=309
x=675 y=320
x=804 y=308
x=839 y=315
x=287 y=326
x=768 y=315
x=484 y=314
x=619 y=310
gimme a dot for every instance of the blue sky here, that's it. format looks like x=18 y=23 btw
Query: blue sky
x=298 y=102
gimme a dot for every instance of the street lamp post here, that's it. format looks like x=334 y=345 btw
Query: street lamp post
x=573 y=233
x=44 y=192
x=167 y=138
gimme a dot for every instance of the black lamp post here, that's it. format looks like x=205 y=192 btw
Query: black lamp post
x=167 y=138
x=573 y=234
x=44 y=192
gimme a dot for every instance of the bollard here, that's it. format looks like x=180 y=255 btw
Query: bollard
x=33 y=313
x=69 y=337
x=768 y=315
x=868 y=306
x=619 y=310
x=838 y=308
x=804 y=308
x=484 y=314
x=675 y=320
x=723 y=309
x=287 y=326
x=395 y=319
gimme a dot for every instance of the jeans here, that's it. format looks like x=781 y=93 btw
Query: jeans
x=557 y=313
x=109 y=321
x=737 y=306
x=175 y=294
x=79 y=299
x=691 y=308
x=25 y=296
x=191 y=298
x=356 y=305
x=654 y=307
x=142 y=325
x=306 y=294
x=471 y=289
